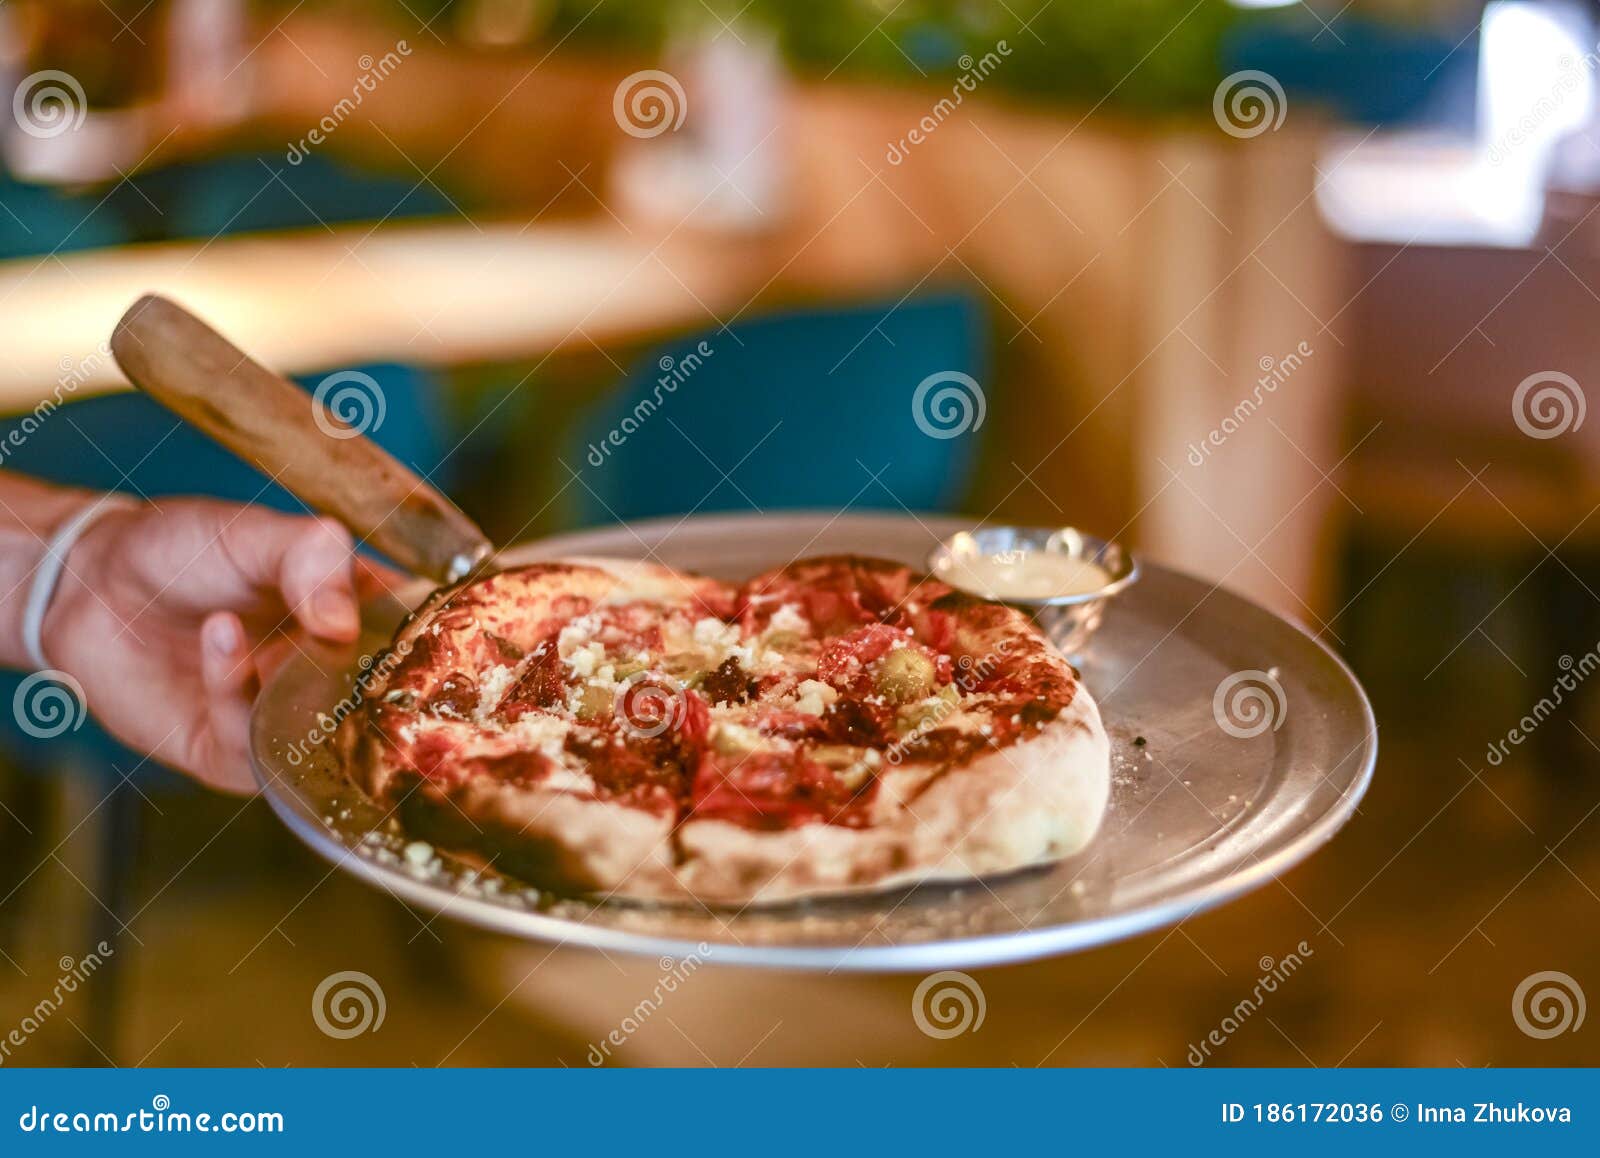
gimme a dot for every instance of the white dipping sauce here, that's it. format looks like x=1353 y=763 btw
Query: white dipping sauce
x=1023 y=574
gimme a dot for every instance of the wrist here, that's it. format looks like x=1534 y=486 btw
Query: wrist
x=66 y=588
x=30 y=516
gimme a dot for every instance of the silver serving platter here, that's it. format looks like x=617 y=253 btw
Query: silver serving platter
x=1198 y=814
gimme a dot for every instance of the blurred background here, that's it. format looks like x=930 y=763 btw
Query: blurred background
x=1290 y=296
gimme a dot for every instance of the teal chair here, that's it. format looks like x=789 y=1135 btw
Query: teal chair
x=809 y=409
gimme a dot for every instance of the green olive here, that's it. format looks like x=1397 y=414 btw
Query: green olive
x=594 y=703
x=905 y=674
x=685 y=665
x=925 y=714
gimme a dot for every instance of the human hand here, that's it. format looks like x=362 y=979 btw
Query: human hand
x=169 y=617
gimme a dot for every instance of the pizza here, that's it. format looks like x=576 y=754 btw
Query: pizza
x=623 y=730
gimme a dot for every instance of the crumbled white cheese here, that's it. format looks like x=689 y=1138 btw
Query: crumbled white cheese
x=788 y=618
x=492 y=686
x=720 y=642
x=419 y=854
x=814 y=697
x=586 y=659
x=737 y=735
x=544 y=733
x=763 y=662
x=576 y=634
x=604 y=677
x=710 y=632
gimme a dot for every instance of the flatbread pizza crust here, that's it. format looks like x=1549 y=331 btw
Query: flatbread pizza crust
x=1013 y=809
x=480 y=729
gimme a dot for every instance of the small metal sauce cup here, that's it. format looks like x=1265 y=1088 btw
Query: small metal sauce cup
x=1069 y=620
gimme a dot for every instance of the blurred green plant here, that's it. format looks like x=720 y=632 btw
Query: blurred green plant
x=1145 y=55
x=1140 y=56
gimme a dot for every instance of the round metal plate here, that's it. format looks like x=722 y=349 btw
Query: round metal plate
x=1198 y=814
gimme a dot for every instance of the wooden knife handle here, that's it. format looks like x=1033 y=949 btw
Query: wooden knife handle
x=297 y=438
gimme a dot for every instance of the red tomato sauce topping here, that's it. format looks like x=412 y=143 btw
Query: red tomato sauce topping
x=773 y=790
x=654 y=748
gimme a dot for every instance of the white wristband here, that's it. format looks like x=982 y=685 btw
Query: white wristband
x=48 y=573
